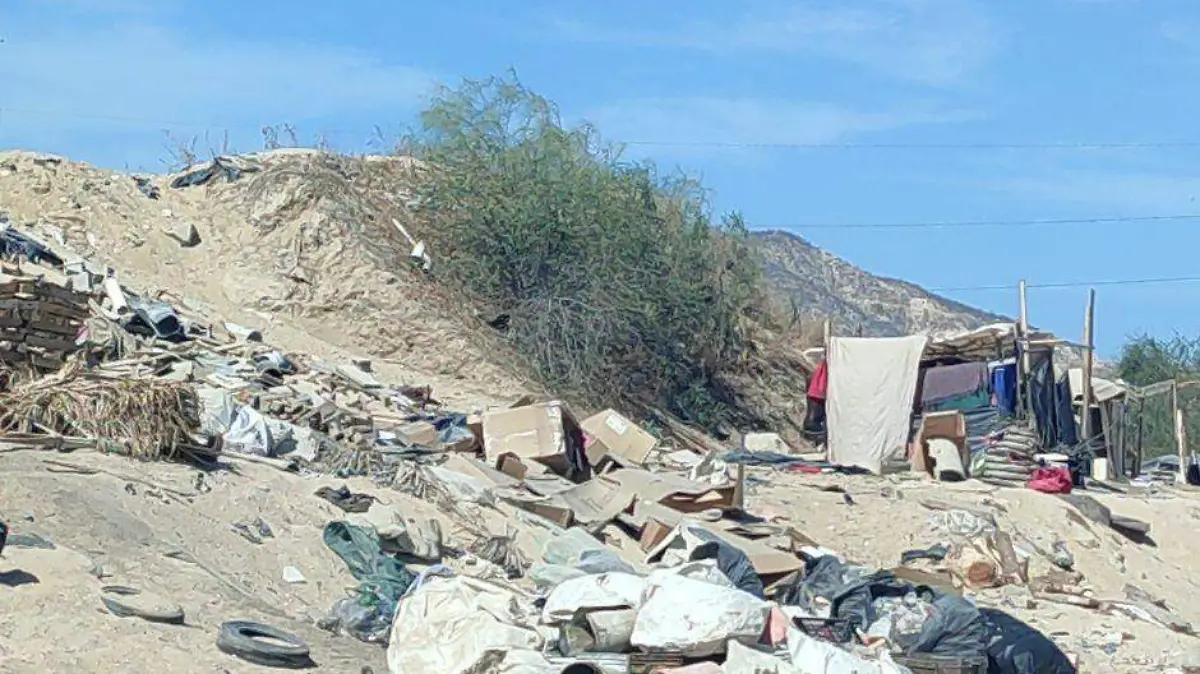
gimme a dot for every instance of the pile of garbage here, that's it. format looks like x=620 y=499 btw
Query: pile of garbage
x=549 y=541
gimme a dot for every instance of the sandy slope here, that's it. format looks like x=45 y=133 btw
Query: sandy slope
x=303 y=248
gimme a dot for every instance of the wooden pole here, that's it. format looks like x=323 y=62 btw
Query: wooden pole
x=1088 y=343
x=1180 y=432
x=1024 y=398
x=1181 y=441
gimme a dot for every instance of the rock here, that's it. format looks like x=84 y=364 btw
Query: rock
x=292 y=575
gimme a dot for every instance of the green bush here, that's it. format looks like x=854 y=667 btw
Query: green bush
x=619 y=284
x=1148 y=360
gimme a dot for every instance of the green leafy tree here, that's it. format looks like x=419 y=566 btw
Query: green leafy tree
x=618 y=282
x=1148 y=360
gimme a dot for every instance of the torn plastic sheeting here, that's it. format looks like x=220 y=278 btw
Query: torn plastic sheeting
x=705 y=570
x=693 y=543
x=592 y=593
x=459 y=625
x=217 y=409
x=745 y=660
x=813 y=656
x=546 y=577
x=695 y=617
x=249 y=433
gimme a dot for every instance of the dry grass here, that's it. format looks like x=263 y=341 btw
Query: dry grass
x=141 y=418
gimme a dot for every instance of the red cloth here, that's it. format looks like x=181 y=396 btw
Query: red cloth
x=1051 y=481
x=819 y=382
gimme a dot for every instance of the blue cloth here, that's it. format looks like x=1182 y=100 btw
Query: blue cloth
x=1004 y=384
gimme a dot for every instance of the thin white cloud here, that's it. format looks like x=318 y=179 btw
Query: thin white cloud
x=938 y=42
x=1181 y=32
x=1130 y=193
x=71 y=86
x=693 y=121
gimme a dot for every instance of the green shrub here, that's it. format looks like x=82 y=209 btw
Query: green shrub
x=619 y=284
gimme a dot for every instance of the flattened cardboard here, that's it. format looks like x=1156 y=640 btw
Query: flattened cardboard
x=597 y=501
x=613 y=434
x=673 y=491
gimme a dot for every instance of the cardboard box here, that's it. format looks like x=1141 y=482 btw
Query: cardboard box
x=613 y=434
x=545 y=432
x=951 y=426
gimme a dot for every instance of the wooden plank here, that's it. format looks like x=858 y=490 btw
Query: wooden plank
x=1088 y=356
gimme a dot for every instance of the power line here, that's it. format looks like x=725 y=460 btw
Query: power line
x=956 y=224
x=1052 y=145
x=1097 y=145
x=1077 y=284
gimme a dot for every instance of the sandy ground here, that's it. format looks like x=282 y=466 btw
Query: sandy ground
x=887 y=519
x=51 y=618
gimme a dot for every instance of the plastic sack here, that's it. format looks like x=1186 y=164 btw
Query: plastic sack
x=546 y=577
x=813 y=656
x=249 y=433
x=457 y=625
x=369 y=623
x=695 y=617
x=462 y=487
x=217 y=409
x=954 y=628
x=576 y=547
x=1016 y=648
x=592 y=593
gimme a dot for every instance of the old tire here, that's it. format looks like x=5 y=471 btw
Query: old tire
x=263 y=645
x=128 y=602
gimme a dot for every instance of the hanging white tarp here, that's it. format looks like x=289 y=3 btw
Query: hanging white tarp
x=872 y=383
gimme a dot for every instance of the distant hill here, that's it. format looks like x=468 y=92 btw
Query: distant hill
x=822 y=285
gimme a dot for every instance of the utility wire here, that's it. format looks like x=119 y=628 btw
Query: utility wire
x=1076 y=284
x=1087 y=145
x=1100 y=145
x=953 y=224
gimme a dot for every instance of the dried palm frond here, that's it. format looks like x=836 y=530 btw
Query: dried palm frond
x=143 y=418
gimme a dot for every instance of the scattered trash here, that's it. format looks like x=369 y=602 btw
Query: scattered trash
x=264 y=645
x=292 y=575
x=127 y=602
x=343 y=498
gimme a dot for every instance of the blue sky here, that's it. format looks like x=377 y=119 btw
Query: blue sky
x=101 y=80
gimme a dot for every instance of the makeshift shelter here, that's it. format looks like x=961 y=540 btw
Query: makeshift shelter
x=989 y=375
x=870 y=391
x=1108 y=414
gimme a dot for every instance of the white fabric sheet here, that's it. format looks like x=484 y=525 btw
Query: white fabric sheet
x=872 y=383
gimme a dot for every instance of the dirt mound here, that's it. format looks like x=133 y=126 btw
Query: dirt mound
x=303 y=244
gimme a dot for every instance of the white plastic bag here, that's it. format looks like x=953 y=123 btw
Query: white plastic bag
x=249 y=433
x=696 y=617
x=591 y=593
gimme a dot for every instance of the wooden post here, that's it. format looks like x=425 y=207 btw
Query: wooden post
x=1137 y=470
x=1024 y=397
x=827 y=341
x=1181 y=441
x=1088 y=342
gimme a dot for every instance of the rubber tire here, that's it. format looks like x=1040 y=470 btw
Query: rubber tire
x=237 y=638
x=109 y=595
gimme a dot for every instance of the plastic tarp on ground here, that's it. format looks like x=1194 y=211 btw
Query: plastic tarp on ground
x=460 y=625
x=872 y=384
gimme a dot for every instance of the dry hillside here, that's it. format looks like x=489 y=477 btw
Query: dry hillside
x=301 y=245
x=823 y=285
